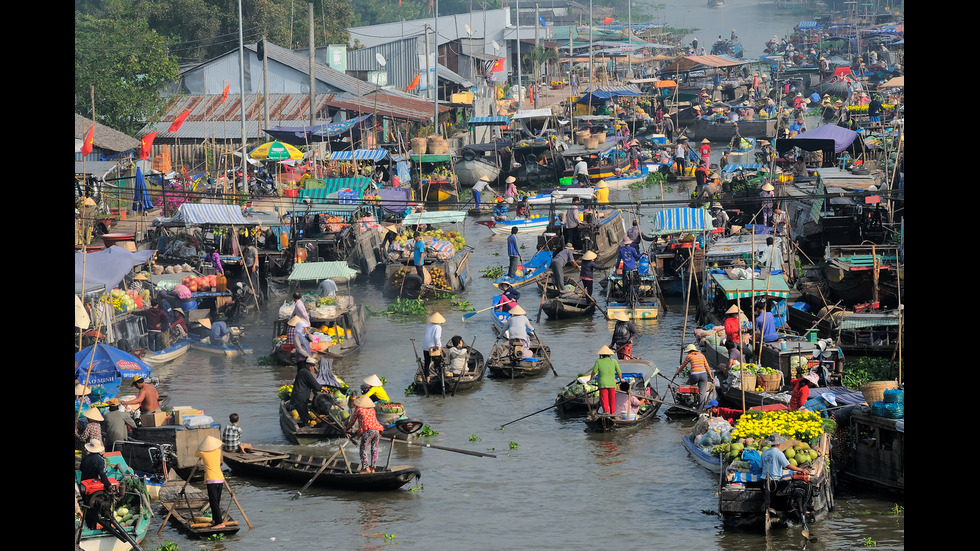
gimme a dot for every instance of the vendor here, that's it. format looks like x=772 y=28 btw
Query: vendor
x=372 y=389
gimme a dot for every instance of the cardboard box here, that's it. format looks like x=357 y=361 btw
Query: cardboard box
x=157 y=419
x=186 y=413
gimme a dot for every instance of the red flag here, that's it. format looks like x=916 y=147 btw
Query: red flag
x=607 y=20
x=180 y=120
x=415 y=82
x=224 y=95
x=88 y=143
x=145 y=144
x=497 y=66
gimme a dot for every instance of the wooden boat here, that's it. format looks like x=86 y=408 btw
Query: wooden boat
x=723 y=131
x=604 y=237
x=233 y=348
x=191 y=516
x=877 y=459
x=605 y=161
x=561 y=195
x=646 y=305
x=701 y=457
x=745 y=503
x=434 y=179
x=396 y=425
x=535 y=269
x=473 y=166
x=569 y=305
x=603 y=422
x=299 y=469
x=169 y=354
x=858 y=273
x=532 y=224
x=862 y=333
x=580 y=397
x=345 y=331
x=402 y=280
x=502 y=364
x=106 y=532
x=472 y=375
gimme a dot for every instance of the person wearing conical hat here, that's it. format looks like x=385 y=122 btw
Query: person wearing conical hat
x=92 y=467
x=368 y=430
x=518 y=327
x=624 y=333
x=305 y=386
x=767 y=193
x=481 y=185
x=587 y=271
x=508 y=297
x=700 y=371
x=93 y=428
x=210 y=453
x=372 y=389
x=705 y=151
x=602 y=192
x=432 y=343
x=733 y=326
x=606 y=374
x=297 y=333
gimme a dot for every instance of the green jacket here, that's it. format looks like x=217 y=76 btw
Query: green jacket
x=608 y=371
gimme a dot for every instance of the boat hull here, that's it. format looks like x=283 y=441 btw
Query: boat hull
x=299 y=469
x=724 y=131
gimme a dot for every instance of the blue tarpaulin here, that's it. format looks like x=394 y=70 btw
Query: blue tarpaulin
x=108 y=266
x=682 y=220
x=488 y=121
x=336 y=128
x=109 y=367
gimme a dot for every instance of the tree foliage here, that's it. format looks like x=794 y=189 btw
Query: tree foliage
x=127 y=63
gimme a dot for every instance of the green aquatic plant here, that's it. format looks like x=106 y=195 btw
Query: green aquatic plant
x=427 y=431
x=168 y=546
x=868 y=542
x=474 y=438
x=492 y=272
x=513 y=445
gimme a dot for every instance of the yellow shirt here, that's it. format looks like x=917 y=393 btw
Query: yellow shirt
x=602 y=195
x=212 y=465
x=379 y=392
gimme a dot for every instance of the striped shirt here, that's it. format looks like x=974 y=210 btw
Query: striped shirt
x=698 y=362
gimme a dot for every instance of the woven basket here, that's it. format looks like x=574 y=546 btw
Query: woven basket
x=875 y=391
x=748 y=381
x=419 y=146
x=770 y=382
x=601 y=136
x=592 y=143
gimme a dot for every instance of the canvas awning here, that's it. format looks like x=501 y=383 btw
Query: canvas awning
x=682 y=220
x=316 y=271
x=823 y=138
x=775 y=287
x=200 y=214
x=532 y=114
x=699 y=62
x=488 y=121
x=375 y=155
x=435 y=217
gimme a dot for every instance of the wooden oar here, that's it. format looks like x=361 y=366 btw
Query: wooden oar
x=544 y=293
x=469 y=315
x=182 y=489
x=318 y=473
x=240 y=510
x=579 y=285
x=551 y=406
x=467 y=452
x=422 y=374
x=547 y=355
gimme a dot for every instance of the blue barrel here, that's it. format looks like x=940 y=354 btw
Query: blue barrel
x=188 y=305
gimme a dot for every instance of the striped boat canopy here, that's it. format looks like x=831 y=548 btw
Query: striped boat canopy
x=775 y=287
x=488 y=121
x=682 y=220
x=331 y=186
x=434 y=217
x=200 y=214
x=807 y=25
x=339 y=127
x=315 y=271
x=359 y=155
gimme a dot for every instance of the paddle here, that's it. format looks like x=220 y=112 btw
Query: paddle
x=421 y=371
x=318 y=473
x=469 y=315
x=547 y=355
x=544 y=293
x=549 y=407
x=579 y=285
x=433 y=446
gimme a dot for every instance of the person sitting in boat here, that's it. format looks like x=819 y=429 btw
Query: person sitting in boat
x=719 y=217
x=220 y=333
x=524 y=208
x=700 y=373
x=500 y=210
x=801 y=390
x=623 y=335
x=305 y=386
x=231 y=436
x=765 y=324
x=715 y=410
x=627 y=404
x=518 y=327
x=298 y=335
x=372 y=389
x=508 y=296
x=459 y=355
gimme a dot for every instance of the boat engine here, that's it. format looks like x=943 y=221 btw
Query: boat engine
x=517 y=350
x=98 y=501
x=688 y=396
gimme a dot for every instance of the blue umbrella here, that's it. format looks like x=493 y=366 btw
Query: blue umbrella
x=141 y=196
x=109 y=368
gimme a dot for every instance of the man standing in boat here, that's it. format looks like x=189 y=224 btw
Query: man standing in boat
x=582 y=172
x=481 y=185
x=514 y=252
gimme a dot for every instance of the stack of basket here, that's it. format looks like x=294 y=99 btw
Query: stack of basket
x=748 y=380
x=770 y=382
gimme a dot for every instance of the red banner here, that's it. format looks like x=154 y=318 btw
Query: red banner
x=180 y=120
x=89 y=141
x=497 y=66
x=145 y=144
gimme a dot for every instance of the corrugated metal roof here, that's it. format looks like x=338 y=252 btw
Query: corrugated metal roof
x=311 y=271
x=387 y=105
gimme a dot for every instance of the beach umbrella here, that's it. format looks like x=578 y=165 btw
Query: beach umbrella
x=109 y=367
x=275 y=151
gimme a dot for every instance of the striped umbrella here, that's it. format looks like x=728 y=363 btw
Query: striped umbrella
x=275 y=151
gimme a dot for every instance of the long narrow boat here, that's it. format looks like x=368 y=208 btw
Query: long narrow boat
x=95 y=532
x=603 y=422
x=396 y=425
x=533 y=224
x=190 y=515
x=743 y=497
x=580 y=397
x=344 y=329
x=561 y=195
x=160 y=357
x=701 y=457
x=645 y=307
x=569 y=305
x=299 y=469
x=472 y=375
x=503 y=365
x=534 y=269
x=235 y=348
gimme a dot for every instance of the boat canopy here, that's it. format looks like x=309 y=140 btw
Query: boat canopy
x=330 y=187
x=533 y=114
x=823 y=138
x=775 y=286
x=316 y=271
x=488 y=121
x=336 y=128
x=682 y=220
x=434 y=217
x=375 y=155
x=107 y=267
x=606 y=93
x=200 y=214
x=701 y=62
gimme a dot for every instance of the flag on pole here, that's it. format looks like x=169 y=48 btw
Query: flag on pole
x=497 y=66
x=88 y=143
x=541 y=19
x=415 y=83
x=180 y=120
x=607 y=20
x=145 y=144
x=224 y=94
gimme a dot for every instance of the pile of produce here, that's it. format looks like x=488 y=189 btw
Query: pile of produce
x=200 y=284
x=125 y=301
x=757 y=430
x=439 y=279
x=390 y=408
x=437 y=240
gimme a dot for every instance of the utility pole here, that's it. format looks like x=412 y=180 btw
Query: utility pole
x=312 y=75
